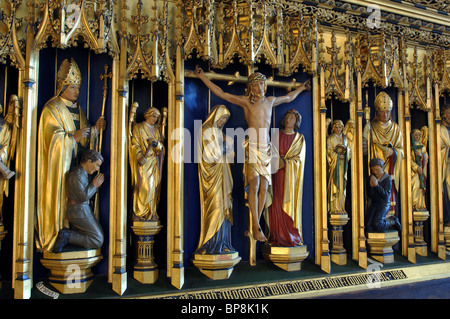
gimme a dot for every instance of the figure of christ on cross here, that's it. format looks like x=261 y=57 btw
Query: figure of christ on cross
x=258 y=114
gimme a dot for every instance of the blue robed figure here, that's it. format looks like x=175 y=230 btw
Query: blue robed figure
x=379 y=192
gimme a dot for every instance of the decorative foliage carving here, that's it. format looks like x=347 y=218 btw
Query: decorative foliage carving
x=149 y=51
x=66 y=23
x=417 y=84
x=10 y=45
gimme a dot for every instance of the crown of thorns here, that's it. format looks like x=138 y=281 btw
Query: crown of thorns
x=256 y=77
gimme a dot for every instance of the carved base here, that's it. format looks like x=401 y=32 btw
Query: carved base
x=421 y=246
x=380 y=245
x=287 y=258
x=447 y=237
x=218 y=266
x=70 y=272
x=145 y=270
x=338 y=252
x=339 y=257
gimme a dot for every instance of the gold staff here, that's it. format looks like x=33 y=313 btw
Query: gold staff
x=103 y=77
x=369 y=137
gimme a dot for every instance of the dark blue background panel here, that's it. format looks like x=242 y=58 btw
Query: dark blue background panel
x=196 y=109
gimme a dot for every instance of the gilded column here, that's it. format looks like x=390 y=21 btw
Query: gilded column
x=407 y=234
x=24 y=204
x=322 y=252
x=175 y=168
x=357 y=167
x=170 y=208
x=117 y=274
x=436 y=208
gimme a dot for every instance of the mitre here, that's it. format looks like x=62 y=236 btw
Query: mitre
x=383 y=102
x=68 y=73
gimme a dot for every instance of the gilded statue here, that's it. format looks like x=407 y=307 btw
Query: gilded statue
x=64 y=134
x=379 y=192
x=84 y=229
x=216 y=184
x=258 y=114
x=445 y=157
x=382 y=138
x=8 y=137
x=419 y=163
x=284 y=218
x=146 y=161
x=338 y=155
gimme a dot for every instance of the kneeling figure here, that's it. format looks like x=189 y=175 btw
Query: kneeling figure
x=85 y=230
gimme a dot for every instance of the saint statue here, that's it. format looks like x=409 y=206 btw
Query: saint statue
x=338 y=155
x=146 y=161
x=419 y=163
x=379 y=192
x=382 y=138
x=8 y=136
x=63 y=135
x=216 y=184
x=284 y=218
x=258 y=114
x=445 y=158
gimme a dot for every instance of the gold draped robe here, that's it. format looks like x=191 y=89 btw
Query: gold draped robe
x=337 y=173
x=294 y=169
x=417 y=193
x=215 y=179
x=293 y=180
x=146 y=178
x=56 y=151
x=5 y=141
x=445 y=153
x=378 y=136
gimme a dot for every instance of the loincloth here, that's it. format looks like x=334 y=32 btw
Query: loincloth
x=258 y=157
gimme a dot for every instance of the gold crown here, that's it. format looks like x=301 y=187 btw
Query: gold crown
x=68 y=73
x=383 y=102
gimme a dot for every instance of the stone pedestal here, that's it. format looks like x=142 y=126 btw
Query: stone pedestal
x=70 y=271
x=287 y=258
x=447 y=237
x=380 y=245
x=338 y=252
x=218 y=266
x=421 y=246
x=145 y=270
